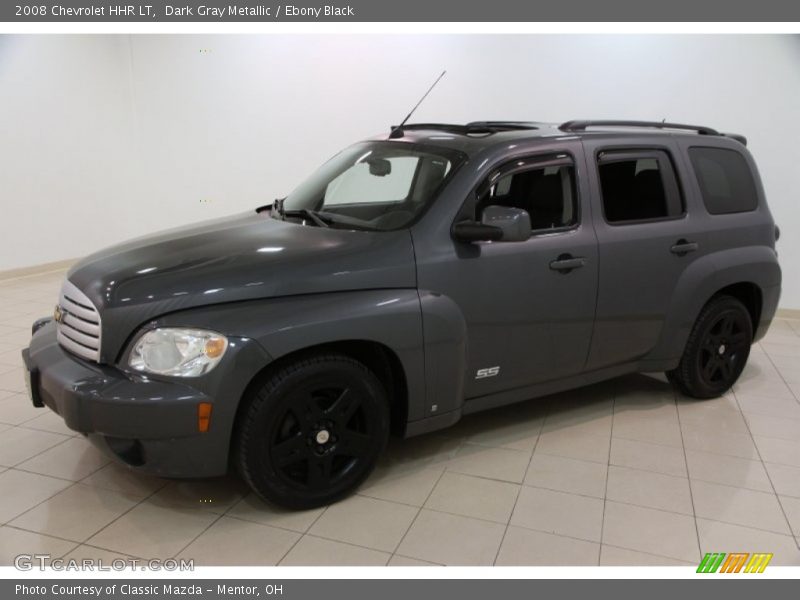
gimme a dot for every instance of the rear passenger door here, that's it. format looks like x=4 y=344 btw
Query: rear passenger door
x=646 y=240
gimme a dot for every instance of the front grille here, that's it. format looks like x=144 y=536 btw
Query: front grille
x=78 y=323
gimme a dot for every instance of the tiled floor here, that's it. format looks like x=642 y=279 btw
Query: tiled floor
x=622 y=473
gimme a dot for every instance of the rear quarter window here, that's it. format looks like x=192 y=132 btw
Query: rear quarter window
x=725 y=180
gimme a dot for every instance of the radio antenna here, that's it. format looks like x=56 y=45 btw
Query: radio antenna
x=397 y=131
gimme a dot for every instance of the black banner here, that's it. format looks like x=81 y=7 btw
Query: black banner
x=732 y=588
x=398 y=11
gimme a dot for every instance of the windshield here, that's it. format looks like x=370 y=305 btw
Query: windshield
x=374 y=186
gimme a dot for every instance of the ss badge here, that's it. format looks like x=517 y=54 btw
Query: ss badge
x=487 y=372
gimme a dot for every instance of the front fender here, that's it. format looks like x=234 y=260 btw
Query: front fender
x=390 y=317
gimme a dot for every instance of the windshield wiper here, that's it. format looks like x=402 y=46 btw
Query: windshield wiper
x=304 y=212
x=298 y=212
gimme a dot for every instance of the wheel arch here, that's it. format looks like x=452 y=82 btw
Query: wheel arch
x=377 y=357
x=749 y=294
x=750 y=274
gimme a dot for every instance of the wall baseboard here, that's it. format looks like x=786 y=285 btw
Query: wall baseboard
x=36 y=269
x=788 y=313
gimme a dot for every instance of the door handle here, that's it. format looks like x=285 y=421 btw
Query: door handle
x=566 y=263
x=683 y=247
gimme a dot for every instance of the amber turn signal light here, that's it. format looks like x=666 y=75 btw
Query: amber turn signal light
x=215 y=346
x=203 y=416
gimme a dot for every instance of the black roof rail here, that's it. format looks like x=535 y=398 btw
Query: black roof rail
x=583 y=125
x=502 y=125
x=476 y=127
x=397 y=131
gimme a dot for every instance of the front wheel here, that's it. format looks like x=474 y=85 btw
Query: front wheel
x=313 y=431
x=717 y=349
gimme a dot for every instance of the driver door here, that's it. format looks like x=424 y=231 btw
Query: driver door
x=529 y=319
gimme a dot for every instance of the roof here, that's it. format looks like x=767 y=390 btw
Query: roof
x=474 y=136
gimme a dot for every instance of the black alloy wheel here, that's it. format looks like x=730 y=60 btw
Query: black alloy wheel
x=321 y=437
x=717 y=350
x=724 y=348
x=313 y=432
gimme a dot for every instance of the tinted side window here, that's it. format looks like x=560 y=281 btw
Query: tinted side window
x=638 y=188
x=547 y=194
x=725 y=180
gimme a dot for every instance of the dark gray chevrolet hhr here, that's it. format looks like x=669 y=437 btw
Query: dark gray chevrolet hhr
x=414 y=278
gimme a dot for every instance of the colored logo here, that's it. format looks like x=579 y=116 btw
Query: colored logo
x=734 y=562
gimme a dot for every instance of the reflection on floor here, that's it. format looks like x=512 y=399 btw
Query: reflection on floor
x=622 y=473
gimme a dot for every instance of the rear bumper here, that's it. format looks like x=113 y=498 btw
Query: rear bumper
x=150 y=425
x=769 y=305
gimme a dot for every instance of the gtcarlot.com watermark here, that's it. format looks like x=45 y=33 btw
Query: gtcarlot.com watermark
x=30 y=562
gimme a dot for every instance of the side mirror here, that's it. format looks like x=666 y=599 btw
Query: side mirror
x=498 y=224
x=470 y=231
x=515 y=223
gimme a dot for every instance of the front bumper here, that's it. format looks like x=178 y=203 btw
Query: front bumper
x=148 y=424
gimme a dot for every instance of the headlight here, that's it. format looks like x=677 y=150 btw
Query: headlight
x=177 y=352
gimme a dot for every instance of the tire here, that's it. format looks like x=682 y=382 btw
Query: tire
x=716 y=351
x=312 y=432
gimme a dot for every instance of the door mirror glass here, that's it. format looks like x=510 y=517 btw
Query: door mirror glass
x=514 y=223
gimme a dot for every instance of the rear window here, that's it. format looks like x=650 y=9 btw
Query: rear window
x=725 y=180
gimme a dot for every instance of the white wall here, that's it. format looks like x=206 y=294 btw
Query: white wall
x=107 y=137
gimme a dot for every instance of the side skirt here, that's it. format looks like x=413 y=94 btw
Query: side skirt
x=481 y=403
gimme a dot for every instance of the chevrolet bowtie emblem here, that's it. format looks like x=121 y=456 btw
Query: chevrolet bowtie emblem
x=58 y=314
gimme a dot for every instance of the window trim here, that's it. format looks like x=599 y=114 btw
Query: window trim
x=622 y=153
x=533 y=161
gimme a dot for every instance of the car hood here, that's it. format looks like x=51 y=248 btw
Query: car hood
x=244 y=257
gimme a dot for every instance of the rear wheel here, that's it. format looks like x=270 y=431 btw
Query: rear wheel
x=717 y=349
x=313 y=431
